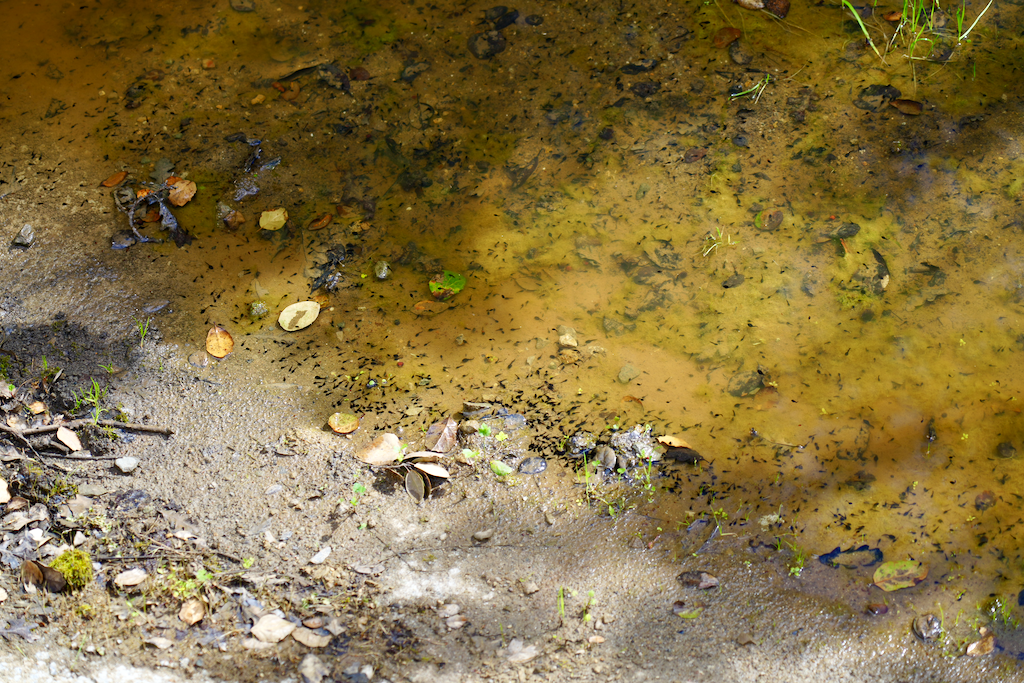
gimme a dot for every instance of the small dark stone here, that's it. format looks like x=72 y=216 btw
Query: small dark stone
x=506 y=20
x=645 y=88
x=495 y=12
x=734 y=280
x=876 y=97
x=847 y=230
x=984 y=501
x=533 y=466
x=639 y=67
x=687 y=456
x=359 y=73
x=606 y=134
x=877 y=609
x=739 y=53
x=1006 y=450
x=740 y=141
x=243 y=5
x=534 y=20
x=486 y=45
x=410 y=72
x=694 y=154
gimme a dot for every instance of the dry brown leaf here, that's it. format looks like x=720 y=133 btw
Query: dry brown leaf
x=442 y=436
x=36 y=407
x=433 y=469
x=310 y=638
x=192 y=611
x=673 y=442
x=69 y=438
x=115 y=179
x=383 y=450
x=218 y=342
x=181 y=192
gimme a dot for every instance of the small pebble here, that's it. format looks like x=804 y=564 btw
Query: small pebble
x=200 y=359
x=486 y=45
x=533 y=466
x=482 y=536
x=127 y=464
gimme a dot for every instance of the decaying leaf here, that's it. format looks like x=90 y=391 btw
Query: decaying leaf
x=272 y=628
x=321 y=222
x=310 y=638
x=192 y=611
x=908 y=107
x=36 y=407
x=442 y=436
x=130 y=577
x=673 y=442
x=5 y=495
x=429 y=308
x=273 y=220
x=417 y=485
x=892 y=576
x=20 y=627
x=115 y=179
x=38 y=574
x=698 y=579
x=383 y=450
x=181 y=192
x=433 y=469
x=69 y=438
x=219 y=342
x=343 y=423
x=298 y=316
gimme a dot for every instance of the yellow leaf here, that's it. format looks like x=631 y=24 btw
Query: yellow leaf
x=218 y=342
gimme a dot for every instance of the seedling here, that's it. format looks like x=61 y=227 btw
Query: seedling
x=713 y=241
x=358 y=489
x=757 y=89
x=143 y=328
x=91 y=397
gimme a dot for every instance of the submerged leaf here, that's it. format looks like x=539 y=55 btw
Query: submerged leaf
x=219 y=342
x=299 y=315
x=273 y=220
x=181 y=192
x=115 y=179
x=892 y=576
x=446 y=285
x=343 y=423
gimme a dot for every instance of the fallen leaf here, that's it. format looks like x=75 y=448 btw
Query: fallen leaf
x=298 y=316
x=321 y=222
x=433 y=469
x=36 y=407
x=273 y=220
x=181 y=192
x=159 y=642
x=673 y=442
x=442 y=436
x=429 y=308
x=892 y=576
x=310 y=638
x=724 y=36
x=416 y=485
x=383 y=450
x=69 y=438
x=5 y=495
x=192 y=611
x=680 y=609
x=219 y=342
x=321 y=556
x=909 y=107
x=32 y=573
x=343 y=423
x=697 y=579
x=500 y=468
x=20 y=627
x=272 y=629
x=115 y=179
x=130 y=577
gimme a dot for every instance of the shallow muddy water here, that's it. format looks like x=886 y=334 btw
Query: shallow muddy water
x=852 y=370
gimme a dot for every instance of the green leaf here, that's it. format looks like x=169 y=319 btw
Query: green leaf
x=501 y=436
x=446 y=285
x=500 y=468
x=892 y=576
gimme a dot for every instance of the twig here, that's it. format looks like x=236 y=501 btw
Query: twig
x=75 y=424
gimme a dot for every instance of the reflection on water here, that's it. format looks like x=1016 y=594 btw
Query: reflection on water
x=850 y=369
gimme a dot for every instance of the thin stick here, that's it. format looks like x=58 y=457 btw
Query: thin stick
x=75 y=424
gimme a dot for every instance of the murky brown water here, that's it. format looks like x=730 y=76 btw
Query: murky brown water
x=619 y=234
